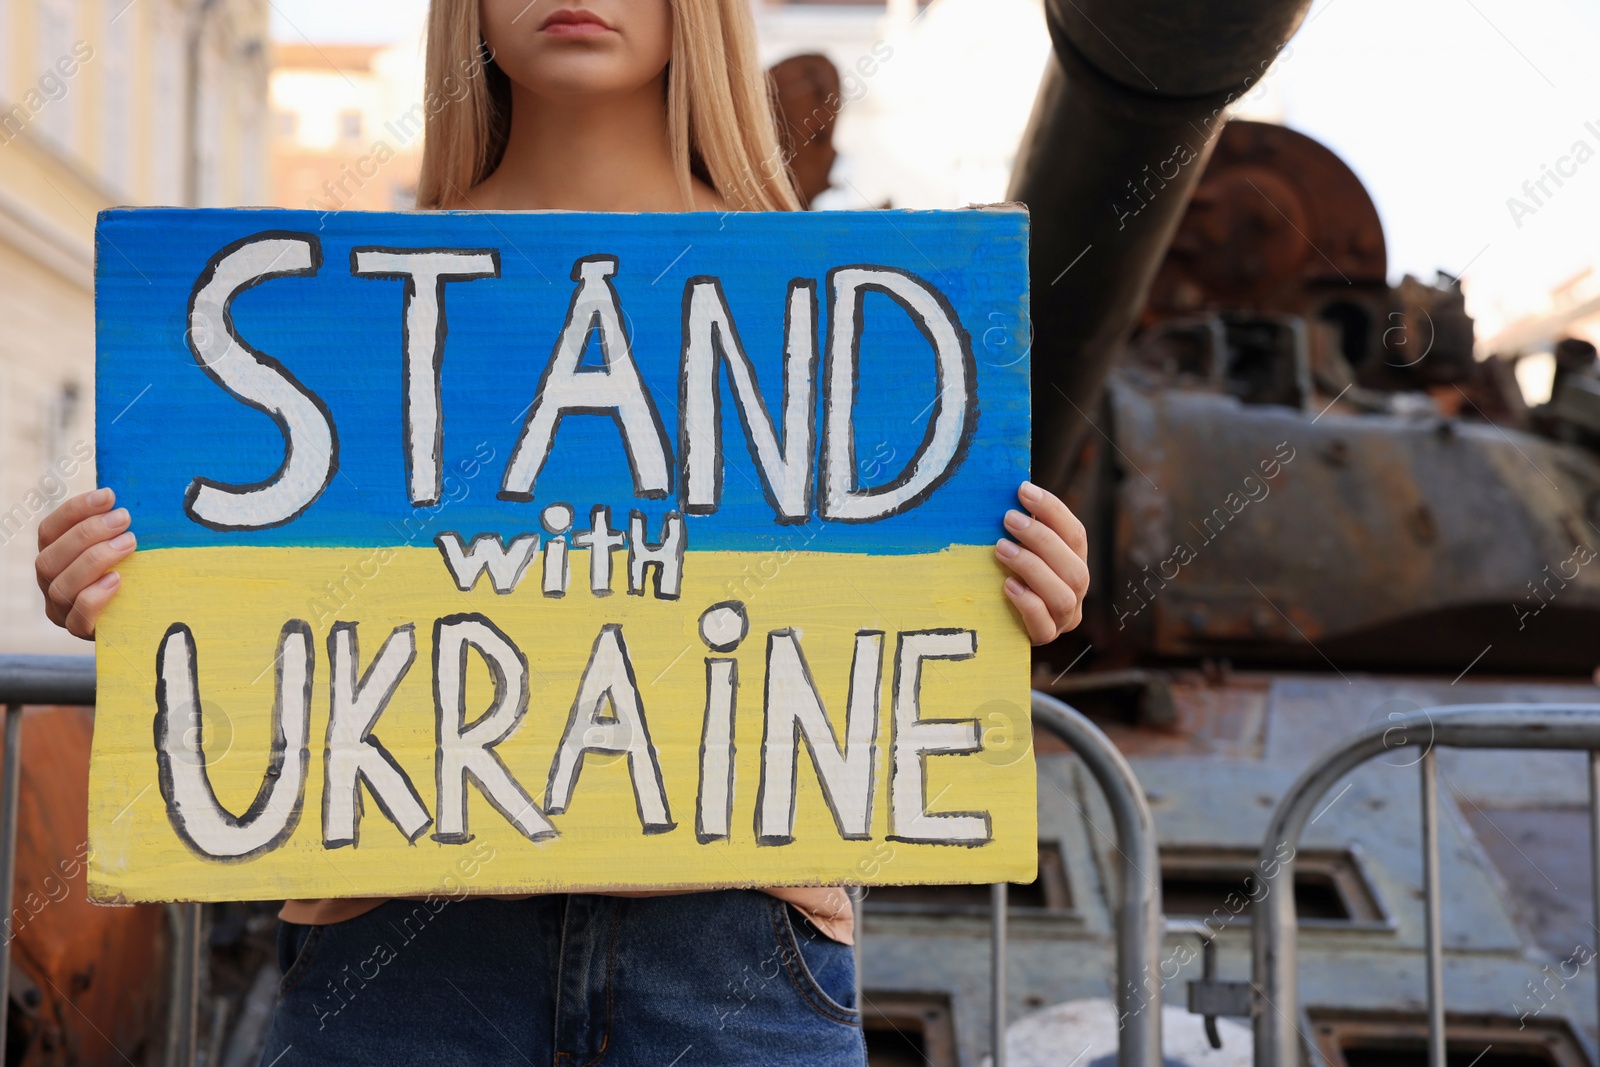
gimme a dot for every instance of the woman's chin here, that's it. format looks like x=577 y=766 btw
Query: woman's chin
x=576 y=74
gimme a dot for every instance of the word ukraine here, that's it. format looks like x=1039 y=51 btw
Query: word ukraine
x=688 y=401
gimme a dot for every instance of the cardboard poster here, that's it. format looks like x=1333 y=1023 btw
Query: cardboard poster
x=520 y=552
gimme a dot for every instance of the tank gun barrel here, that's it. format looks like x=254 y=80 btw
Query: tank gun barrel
x=1130 y=105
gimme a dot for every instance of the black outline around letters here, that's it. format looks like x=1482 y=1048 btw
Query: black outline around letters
x=440 y=330
x=644 y=555
x=276 y=760
x=894 y=696
x=366 y=738
x=970 y=414
x=489 y=749
x=469 y=552
x=665 y=443
x=833 y=736
x=731 y=668
x=206 y=275
x=721 y=365
x=644 y=730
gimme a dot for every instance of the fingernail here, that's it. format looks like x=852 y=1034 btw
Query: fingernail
x=1030 y=493
x=100 y=498
x=116 y=520
x=110 y=580
x=1013 y=587
x=1016 y=520
x=1006 y=549
x=122 y=542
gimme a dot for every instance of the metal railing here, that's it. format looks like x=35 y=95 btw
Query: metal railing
x=1138 y=918
x=68 y=681
x=1276 y=1003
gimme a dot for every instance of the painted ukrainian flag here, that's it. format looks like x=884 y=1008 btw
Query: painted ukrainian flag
x=647 y=551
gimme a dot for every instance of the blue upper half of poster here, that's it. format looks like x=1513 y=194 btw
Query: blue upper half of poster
x=274 y=378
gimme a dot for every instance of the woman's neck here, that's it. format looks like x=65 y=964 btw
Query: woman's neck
x=585 y=152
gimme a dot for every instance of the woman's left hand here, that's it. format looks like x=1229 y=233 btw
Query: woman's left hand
x=1047 y=558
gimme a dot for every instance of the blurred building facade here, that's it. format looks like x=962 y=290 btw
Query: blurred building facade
x=1571 y=309
x=347 y=126
x=97 y=98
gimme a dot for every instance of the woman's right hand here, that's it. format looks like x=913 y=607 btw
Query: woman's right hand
x=79 y=543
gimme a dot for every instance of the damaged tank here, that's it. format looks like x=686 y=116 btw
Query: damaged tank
x=1313 y=507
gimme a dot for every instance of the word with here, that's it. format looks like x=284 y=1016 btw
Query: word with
x=406 y=129
x=1183 y=554
x=506 y=563
x=793 y=711
x=55 y=891
x=709 y=340
x=1183 y=954
x=51 y=489
x=337 y=595
x=1581 y=955
x=51 y=87
x=343 y=991
x=1566 y=167
x=1581 y=556
x=1184 y=153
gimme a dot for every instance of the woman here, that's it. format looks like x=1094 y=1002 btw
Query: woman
x=615 y=105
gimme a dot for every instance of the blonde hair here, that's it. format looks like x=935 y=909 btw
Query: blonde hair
x=718 y=108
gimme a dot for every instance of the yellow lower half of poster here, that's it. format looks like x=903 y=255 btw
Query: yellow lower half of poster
x=642 y=759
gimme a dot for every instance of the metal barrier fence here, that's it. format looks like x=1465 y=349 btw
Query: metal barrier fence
x=1138 y=918
x=1276 y=1003
x=68 y=681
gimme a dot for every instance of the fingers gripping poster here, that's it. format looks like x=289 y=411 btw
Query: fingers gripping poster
x=544 y=551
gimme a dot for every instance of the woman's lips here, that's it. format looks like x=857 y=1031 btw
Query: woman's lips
x=575 y=22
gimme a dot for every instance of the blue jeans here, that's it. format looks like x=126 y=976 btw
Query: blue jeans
x=727 y=978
